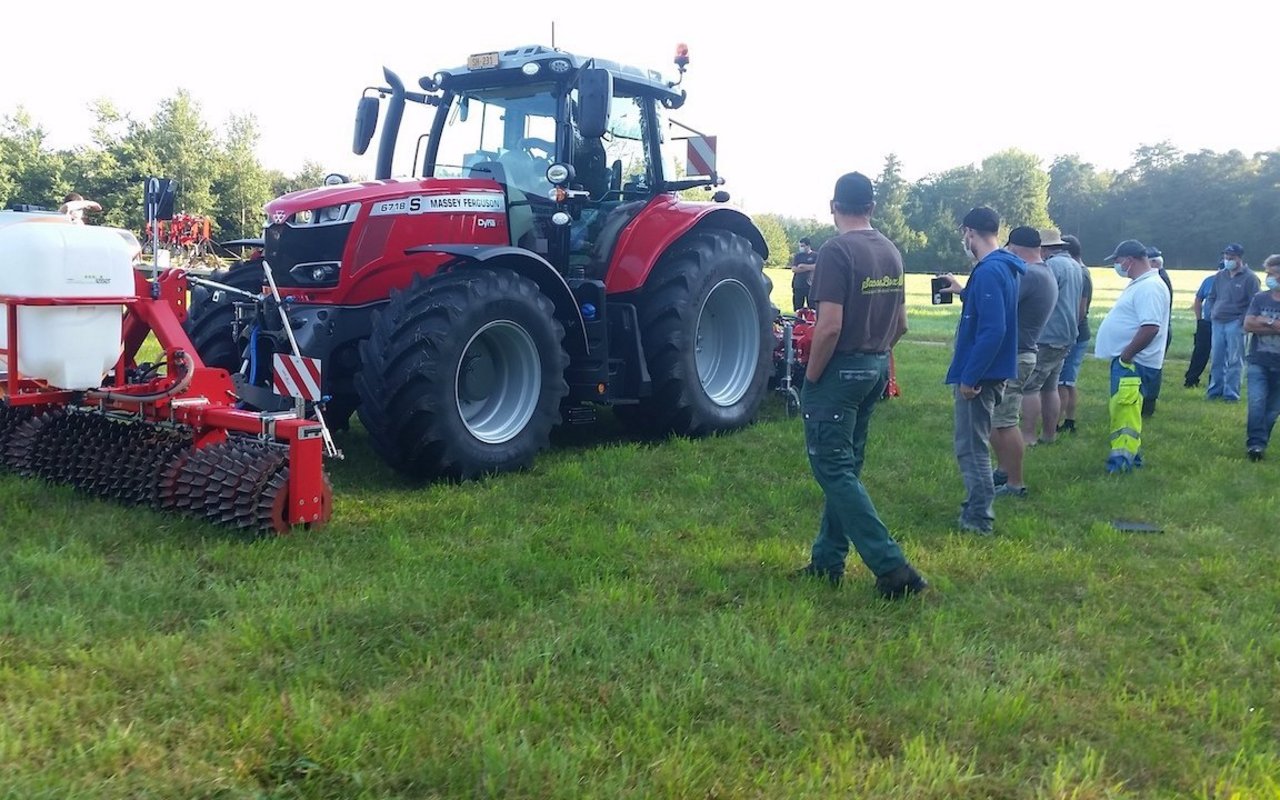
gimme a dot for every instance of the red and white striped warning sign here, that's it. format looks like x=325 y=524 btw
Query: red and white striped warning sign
x=295 y=376
x=702 y=155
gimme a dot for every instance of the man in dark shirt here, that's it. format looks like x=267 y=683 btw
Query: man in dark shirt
x=1233 y=289
x=1263 y=321
x=802 y=265
x=860 y=292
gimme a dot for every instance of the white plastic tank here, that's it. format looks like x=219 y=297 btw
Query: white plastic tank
x=70 y=347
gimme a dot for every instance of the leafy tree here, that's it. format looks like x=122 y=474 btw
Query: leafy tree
x=242 y=187
x=1013 y=183
x=891 y=201
x=775 y=237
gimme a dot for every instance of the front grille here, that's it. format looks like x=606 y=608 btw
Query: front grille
x=286 y=247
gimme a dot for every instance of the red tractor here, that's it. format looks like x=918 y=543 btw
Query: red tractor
x=539 y=263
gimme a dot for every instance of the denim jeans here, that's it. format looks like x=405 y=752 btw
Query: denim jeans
x=973 y=454
x=1264 y=405
x=837 y=414
x=1226 y=361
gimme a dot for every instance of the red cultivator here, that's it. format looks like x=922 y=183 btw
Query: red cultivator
x=165 y=434
x=792 y=337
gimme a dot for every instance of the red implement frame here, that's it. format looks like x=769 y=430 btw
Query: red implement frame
x=205 y=404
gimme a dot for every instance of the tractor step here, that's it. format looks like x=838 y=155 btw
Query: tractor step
x=580 y=415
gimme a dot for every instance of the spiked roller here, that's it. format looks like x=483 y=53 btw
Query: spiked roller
x=168 y=436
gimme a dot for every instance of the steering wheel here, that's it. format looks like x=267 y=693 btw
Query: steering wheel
x=530 y=143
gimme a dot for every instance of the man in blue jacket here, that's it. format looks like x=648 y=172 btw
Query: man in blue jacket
x=986 y=356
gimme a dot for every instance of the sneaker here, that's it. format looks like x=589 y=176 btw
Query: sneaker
x=999 y=477
x=1068 y=426
x=1255 y=453
x=902 y=582
x=1011 y=491
x=1191 y=384
x=810 y=571
x=966 y=526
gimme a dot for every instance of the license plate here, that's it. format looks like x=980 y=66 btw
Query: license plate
x=482 y=61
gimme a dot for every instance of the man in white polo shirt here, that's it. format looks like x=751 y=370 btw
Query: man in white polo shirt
x=1133 y=337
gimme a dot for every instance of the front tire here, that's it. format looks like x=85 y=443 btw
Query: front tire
x=212 y=314
x=707 y=328
x=463 y=375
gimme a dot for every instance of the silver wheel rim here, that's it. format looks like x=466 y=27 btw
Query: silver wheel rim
x=727 y=347
x=498 y=382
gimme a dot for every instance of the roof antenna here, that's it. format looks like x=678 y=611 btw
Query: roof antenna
x=553 y=34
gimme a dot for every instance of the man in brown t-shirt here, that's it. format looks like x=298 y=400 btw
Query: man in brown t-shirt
x=860 y=293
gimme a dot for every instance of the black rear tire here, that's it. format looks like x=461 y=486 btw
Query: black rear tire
x=707 y=328
x=462 y=375
x=212 y=314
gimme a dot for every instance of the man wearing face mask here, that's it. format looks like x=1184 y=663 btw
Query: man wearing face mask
x=1132 y=337
x=1233 y=289
x=1263 y=321
x=986 y=356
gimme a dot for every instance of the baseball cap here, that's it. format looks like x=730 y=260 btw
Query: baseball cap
x=853 y=190
x=1129 y=248
x=1233 y=249
x=1024 y=236
x=1154 y=252
x=982 y=219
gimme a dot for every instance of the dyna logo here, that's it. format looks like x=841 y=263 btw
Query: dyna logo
x=278 y=217
x=486 y=223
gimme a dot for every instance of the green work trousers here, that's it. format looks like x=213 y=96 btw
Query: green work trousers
x=837 y=412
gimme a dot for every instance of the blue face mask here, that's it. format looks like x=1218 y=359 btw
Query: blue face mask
x=1273 y=283
x=1120 y=270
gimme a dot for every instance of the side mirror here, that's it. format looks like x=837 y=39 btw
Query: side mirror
x=366 y=123
x=595 y=96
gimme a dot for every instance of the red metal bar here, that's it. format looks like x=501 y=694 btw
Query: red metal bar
x=68 y=301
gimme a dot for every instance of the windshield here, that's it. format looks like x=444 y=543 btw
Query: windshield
x=511 y=126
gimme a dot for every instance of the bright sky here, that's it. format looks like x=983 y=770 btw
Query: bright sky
x=797 y=93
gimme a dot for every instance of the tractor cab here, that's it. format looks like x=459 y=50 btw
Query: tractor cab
x=576 y=143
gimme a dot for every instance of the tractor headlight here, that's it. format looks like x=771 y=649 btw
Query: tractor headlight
x=559 y=173
x=329 y=215
x=316 y=273
x=531 y=69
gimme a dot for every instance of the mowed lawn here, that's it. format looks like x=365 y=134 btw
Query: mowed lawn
x=618 y=622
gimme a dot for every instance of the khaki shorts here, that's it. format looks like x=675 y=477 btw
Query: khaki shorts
x=1009 y=410
x=1049 y=359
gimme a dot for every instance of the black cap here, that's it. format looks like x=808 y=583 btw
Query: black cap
x=1233 y=249
x=982 y=219
x=1154 y=252
x=1024 y=236
x=1129 y=248
x=854 y=191
x=805 y=240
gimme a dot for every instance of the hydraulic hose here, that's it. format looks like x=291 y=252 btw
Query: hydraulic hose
x=176 y=389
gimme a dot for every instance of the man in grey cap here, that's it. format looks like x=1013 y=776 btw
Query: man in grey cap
x=1132 y=338
x=1233 y=289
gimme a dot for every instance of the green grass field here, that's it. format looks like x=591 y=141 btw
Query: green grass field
x=617 y=622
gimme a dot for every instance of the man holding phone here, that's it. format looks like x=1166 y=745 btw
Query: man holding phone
x=986 y=356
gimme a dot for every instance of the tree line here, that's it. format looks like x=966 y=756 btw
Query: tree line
x=218 y=174
x=1188 y=204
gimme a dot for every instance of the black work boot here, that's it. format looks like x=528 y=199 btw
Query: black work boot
x=901 y=582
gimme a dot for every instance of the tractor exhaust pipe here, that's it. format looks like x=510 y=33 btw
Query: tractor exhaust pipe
x=390 y=126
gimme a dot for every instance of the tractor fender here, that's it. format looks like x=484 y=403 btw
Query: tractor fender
x=530 y=265
x=659 y=226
